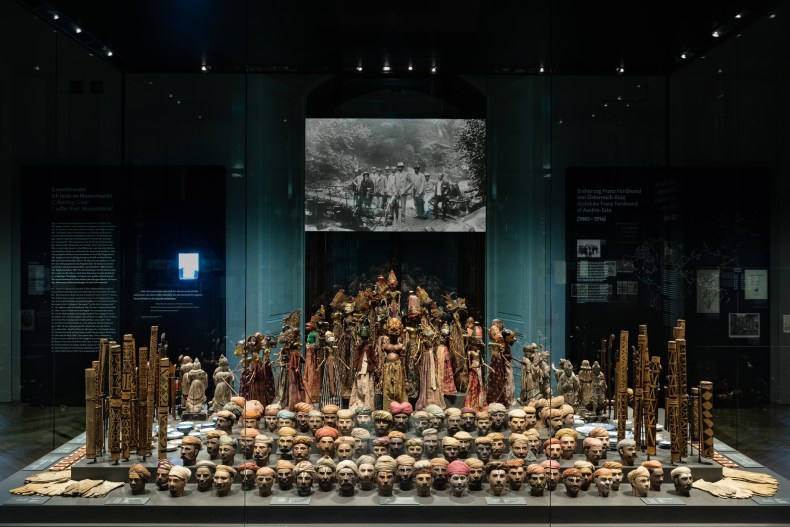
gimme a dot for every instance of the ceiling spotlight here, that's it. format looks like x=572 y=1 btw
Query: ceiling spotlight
x=738 y=15
x=203 y=68
x=109 y=53
x=55 y=16
x=772 y=16
x=433 y=69
x=359 y=68
x=621 y=70
x=541 y=70
x=410 y=68
x=684 y=56
x=78 y=29
x=715 y=34
x=385 y=68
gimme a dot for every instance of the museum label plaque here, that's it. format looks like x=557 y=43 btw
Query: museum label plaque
x=744 y=461
x=663 y=501
x=127 y=501
x=498 y=500
x=297 y=500
x=43 y=463
x=761 y=500
x=398 y=500
x=27 y=500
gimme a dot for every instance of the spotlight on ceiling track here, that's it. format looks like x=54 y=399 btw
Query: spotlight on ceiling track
x=109 y=53
x=541 y=70
x=411 y=68
x=385 y=68
x=738 y=16
x=359 y=68
x=715 y=34
x=55 y=16
x=78 y=30
x=433 y=69
x=772 y=16
x=684 y=55
x=620 y=70
x=204 y=68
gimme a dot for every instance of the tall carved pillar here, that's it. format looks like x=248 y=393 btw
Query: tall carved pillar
x=706 y=408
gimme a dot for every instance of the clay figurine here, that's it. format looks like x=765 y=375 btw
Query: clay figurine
x=212 y=443
x=483 y=448
x=315 y=420
x=496 y=474
x=397 y=443
x=344 y=448
x=400 y=415
x=552 y=448
x=385 y=468
x=430 y=443
x=517 y=420
x=586 y=469
x=284 y=472
x=247 y=471
x=640 y=481
x=483 y=423
x=177 y=480
x=627 y=450
x=367 y=473
x=498 y=414
x=552 y=469
x=603 y=481
x=345 y=421
x=204 y=475
x=262 y=449
x=162 y=473
x=567 y=437
x=286 y=441
x=363 y=417
x=405 y=464
x=593 y=449
x=420 y=420
x=414 y=447
x=476 y=473
x=536 y=478
x=656 y=473
x=361 y=441
x=138 y=477
x=572 y=478
x=497 y=445
x=681 y=477
x=515 y=473
x=458 y=474
x=264 y=478
x=223 y=479
x=304 y=474
x=325 y=469
x=454 y=421
x=227 y=449
x=439 y=470
x=382 y=422
x=247 y=441
x=450 y=448
x=346 y=475
x=302 y=411
x=617 y=473
x=423 y=478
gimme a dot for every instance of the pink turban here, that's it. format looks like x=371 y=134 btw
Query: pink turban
x=457 y=467
x=400 y=408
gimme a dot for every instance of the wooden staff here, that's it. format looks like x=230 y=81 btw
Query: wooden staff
x=622 y=386
x=164 y=405
x=651 y=405
x=101 y=401
x=97 y=407
x=639 y=383
x=683 y=387
x=90 y=414
x=153 y=382
x=694 y=417
x=610 y=382
x=143 y=435
x=127 y=388
x=673 y=401
x=114 y=436
x=706 y=427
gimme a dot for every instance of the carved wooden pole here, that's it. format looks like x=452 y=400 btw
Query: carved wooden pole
x=639 y=383
x=683 y=387
x=90 y=413
x=114 y=436
x=651 y=405
x=102 y=406
x=706 y=407
x=164 y=405
x=673 y=401
x=127 y=388
x=97 y=407
x=622 y=386
x=143 y=435
x=694 y=417
x=153 y=361
x=610 y=382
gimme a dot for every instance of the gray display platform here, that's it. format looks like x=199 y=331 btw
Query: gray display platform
x=120 y=507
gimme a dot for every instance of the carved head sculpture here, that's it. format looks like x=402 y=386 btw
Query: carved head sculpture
x=367 y=472
x=177 y=480
x=450 y=448
x=284 y=472
x=603 y=481
x=212 y=443
x=476 y=473
x=414 y=447
x=361 y=441
x=344 y=448
x=345 y=421
x=496 y=474
x=552 y=468
x=264 y=478
x=247 y=472
x=602 y=434
x=593 y=449
x=286 y=441
x=163 y=473
x=572 y=478
x=497 y=445
x=586 y=469
x=458 y=477
x=656 y=473
x=270 y=417
x=468 y=419
x=405 y=464
x=515 y=473
x=302 y=417
x=465 y=443
x=364 y=417
x=536 y=477
x=223 y=479
x=627 y=450
x=552 y=448
x=382 y=422
x=315 y=420
x=533 y=440
x=247 y=441
x=617 y=473
x=423 y=478
x=420 y=421
x=329 y=411
x=498 y=414
x=436 y=416
x=204 y=474
x=325 y=440
x=138 y=477
x=397 y=443
x=439 y=469
x=227 y=449
x=380 y=447
x=304 y=474
x=385 y=468
x=453 y=420
x=517 y=420
x=682 y=478
x=346 y=475
x=483 y=423
x=430 y=442
x=400 y=415
x=262 y=449
x=519 y=445
x=190 y=446
x=568 y=438
x=325 y=469
x=639 y=478
x=531 y=417
x=286 y=418
x=483 y=448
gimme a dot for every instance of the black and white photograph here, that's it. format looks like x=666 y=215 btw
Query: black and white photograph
x=395 y=175
x=588 y=248
x=744 y=325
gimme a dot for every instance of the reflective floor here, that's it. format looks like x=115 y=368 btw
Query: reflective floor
x=28 y=432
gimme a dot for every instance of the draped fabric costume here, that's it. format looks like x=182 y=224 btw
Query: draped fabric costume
x=310 y=375
x=497 y=380
x=445 y=369
x=363 y=391
x=331 y=381
x=291 y=389
x=431 y=381
x=475 y=396
x=393 y=383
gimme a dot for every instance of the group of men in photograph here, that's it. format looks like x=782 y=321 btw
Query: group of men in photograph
x=388 y=189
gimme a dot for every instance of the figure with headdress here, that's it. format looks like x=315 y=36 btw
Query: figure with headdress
x=223 y=384
x=501 y=388
x=393 y=378
x=365 y=362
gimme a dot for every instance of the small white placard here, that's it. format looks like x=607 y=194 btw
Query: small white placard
x=761 y=500
x=744 y=461
x=398 y=500
x=663 y=501
x=127 y=501
x=27 y=500
x=755 y=284
x=292 y=500
x=504 y=500
x=43 y=463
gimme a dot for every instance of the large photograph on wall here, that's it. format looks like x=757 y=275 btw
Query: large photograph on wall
x=418 y=175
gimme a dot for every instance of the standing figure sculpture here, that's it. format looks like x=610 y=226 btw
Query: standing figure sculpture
x=568 y=384
x=431 y=392
x=196 y=396
x=501 y=388
x=223 y=382
x=330 y=372
x=365 y=362
x=475 y=395
x=393 y=378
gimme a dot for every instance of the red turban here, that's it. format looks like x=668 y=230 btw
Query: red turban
x=325 y=431
x=400 y=408
x=457 y=467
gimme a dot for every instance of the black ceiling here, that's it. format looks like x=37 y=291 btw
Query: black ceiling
x=462 y=36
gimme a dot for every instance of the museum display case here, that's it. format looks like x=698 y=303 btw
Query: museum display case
x=336 y=296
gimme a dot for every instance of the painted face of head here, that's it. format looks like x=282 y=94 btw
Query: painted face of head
x=222 y=482
x=483 y=452
x=249 y=422
x=285 y=443
x=161 y=478
x=326 y=446
x=304 y=483
x=496 y=481
x=476 y=476
x=459 y=484
x=284 y=478
x=282 y=421
x=683 y=482
x=537 y=482
x=302 y=421
x=439 y=473
x=534 y=444
x=568 y=444
x=640 y=485
x=247 y=479
x=520 y=449
x=594 y=453
x=530 y=421
x=555 y=422
x=656 y=478
x=346 y=479
x=515 y=477
x=364 y=421
x=265 y=483
x=212 y=447
x=176 y=486
x=188 y=454
x=463 y=450
x=483 y=425
x=261 y=450
x=360 y=446
x=423 y=482
x=414 y=451
x=301 y=452
x=345 y=425
x=453 y=424
x=450 y=452
x=604 y=484
x=552 y=478
x=325 y=477
x=437 y=421
x=396 y=446
x=330 y=420
x=617 y=477
x=400 y=422
x=380 y=450
x=382 y=427
x=430 y=444
x=315 y=422
x=420 y=424
x=246 y=445
x=136 y=483
x=367 y=476
x=586 y=478
x=572 y=485
x=270 y=421
x=223 y=423
x=226 y=453
x=344 y=451
x=628 y=454
x=468 y=422
x=568 y=420
x=498 y=419
x=553 y=450
x=518 y=425
x=205 y=479
x=385 y=480
x=497 y=448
